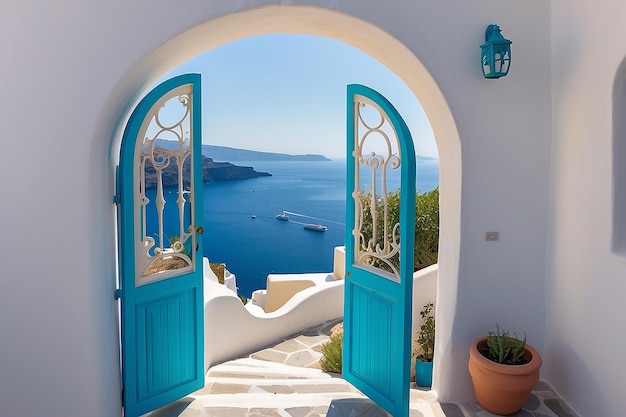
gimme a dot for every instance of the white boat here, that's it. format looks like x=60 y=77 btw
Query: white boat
x=282 y=216
x=315 y=227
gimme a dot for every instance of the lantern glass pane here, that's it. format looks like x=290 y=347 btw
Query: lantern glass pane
x=505 y=66
x=486 y=64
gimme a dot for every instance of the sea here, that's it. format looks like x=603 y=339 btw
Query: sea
x=241 y=229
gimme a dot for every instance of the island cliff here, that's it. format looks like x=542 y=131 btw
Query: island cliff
x=211 y=171
x=224 y=153
x=221 y=171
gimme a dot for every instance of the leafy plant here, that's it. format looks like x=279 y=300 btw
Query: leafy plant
x=426 y=229
x=331 y=354
x=503 y=348
x=426 y=226
x=426 y=334
x=177 y=245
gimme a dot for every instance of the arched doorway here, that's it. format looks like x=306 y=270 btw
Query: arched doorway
x=380 y=45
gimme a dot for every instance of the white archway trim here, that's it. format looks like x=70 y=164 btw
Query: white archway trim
x=391 y=53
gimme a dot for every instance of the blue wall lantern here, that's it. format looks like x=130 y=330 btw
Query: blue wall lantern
x=496 y=53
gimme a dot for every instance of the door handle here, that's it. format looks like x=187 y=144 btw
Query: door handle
x=199 y=230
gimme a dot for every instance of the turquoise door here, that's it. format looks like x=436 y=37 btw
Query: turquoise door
x=160 y=213
x=379 y=251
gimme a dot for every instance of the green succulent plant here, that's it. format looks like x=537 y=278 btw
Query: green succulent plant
x=503 y=348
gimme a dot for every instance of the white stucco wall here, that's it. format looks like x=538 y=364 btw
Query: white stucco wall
x=71 y=73
x=584 y=356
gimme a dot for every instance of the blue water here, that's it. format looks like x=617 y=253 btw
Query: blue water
x=312 y=192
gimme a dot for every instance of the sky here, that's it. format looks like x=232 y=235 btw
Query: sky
x=287 y=93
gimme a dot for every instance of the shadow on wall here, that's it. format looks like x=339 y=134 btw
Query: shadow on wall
x=618 y=241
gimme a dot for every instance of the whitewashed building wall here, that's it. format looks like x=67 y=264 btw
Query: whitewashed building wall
x=528 y=156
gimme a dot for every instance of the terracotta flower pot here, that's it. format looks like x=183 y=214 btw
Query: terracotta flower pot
x=502 y=389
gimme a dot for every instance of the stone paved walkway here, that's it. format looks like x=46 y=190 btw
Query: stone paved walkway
x=284 y=380
x=543 y=402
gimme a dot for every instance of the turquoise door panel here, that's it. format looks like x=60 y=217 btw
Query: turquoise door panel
x=159 y=210
x=379 y=251
x=161 y=335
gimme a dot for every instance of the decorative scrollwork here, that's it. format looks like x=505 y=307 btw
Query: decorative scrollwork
x=163 y=159
x=376 y=154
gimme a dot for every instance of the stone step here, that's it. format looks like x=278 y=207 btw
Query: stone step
x=295 y=411
x=260 y=369
x=277 y=387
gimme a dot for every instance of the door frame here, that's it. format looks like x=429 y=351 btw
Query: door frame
x=215 y=32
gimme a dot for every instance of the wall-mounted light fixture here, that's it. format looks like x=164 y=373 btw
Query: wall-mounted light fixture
x=496 y=53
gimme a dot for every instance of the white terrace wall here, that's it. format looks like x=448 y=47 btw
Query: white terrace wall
x=71 y=72
x=585 y=337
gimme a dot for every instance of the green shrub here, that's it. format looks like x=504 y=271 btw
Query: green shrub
x=426 y=229
x=426 y=334
x=426 y=226
x=331 y=354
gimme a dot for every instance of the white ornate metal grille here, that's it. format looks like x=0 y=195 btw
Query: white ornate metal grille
x=377 y=161
x=165 y=239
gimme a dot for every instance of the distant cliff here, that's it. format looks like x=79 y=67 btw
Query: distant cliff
x=225 y=171
x=224 y=153
x=222 y=171
x=211 y=171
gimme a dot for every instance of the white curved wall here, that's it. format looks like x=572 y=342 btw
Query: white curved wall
x=72 y=72
x=222 y=310
x=618 y=232
x=256 y=329
x=584 y=355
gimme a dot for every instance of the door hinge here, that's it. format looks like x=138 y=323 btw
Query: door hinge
x=116 y=196
x=118 y=294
